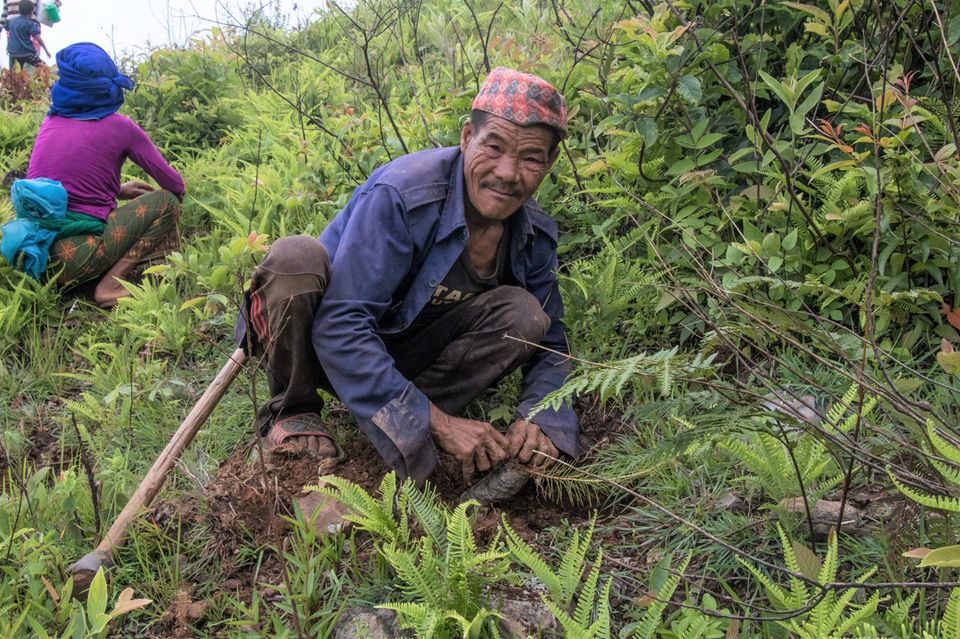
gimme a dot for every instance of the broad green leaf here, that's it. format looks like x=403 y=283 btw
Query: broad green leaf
x=647 y=127
x=97 y=597
x=708 y=139
x=809 y=103
x=950 y=362
x=771 y=244
x=192 y=302
x=783 y=92
x=946 y=557
x=816 y=12
x=689 y=89
x=790 y=240
x=953 y=31
x=807 y=560
x=681 y=166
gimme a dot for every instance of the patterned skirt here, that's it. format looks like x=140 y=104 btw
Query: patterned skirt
x=135 y=231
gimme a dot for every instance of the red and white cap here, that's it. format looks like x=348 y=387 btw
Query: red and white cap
x=523 y=99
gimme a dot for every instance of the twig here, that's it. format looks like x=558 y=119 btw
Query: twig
x=88 y=470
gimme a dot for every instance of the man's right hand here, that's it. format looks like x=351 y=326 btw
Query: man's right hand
x=478 y=445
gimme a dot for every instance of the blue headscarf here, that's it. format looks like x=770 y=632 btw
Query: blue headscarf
x=90 y=86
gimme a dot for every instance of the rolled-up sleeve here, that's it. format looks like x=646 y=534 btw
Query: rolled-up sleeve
x=547 y=370
x=373 y=255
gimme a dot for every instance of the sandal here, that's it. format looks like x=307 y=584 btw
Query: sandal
x=303 y=425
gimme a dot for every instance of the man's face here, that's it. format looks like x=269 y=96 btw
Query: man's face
x=503 y=164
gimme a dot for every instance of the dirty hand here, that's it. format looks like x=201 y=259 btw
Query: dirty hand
x=477 y=445
x=133 y=189
x=526 y=439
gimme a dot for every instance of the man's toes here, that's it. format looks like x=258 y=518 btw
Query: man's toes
x=312 y=443
x=326 y=448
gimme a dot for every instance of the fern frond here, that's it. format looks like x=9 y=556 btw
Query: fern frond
x=602 y=624
x=859 y=615
x=798 y=589
x=423 y=620
x=526 y=555
x=417 y=575
x=572 y=564
x=570 y=627
x=828 y=568
x=461 y=547
x=366 y=512
x=586 y=600
x=945 y=448
x=429 y=512
x=653 y=616
x=775 y=592
x=950 y=623
x=940 y=502
x=950 y=473
x=836 y=412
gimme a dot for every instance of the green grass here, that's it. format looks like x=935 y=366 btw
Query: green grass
x=693 y=288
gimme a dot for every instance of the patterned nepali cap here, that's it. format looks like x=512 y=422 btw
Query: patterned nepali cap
x=523 y=99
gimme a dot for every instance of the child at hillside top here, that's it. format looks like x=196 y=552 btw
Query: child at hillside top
x=22 y=29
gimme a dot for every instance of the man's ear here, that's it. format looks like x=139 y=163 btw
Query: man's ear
x=466 y=133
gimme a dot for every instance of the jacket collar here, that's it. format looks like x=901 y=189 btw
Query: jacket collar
x=452 y=217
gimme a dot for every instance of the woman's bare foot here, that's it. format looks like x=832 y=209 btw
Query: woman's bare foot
x=109 y=289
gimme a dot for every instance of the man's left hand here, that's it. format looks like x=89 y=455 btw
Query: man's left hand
x=526 y=440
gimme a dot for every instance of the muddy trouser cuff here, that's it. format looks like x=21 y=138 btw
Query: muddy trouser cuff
x=285 y=290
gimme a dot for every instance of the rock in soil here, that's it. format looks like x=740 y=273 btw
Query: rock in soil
x=497 y=486
x=824 y=515
x=731 y=501
x=366 y=623
x=525 y=617
x=323 y=513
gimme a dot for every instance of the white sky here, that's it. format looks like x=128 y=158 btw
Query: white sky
x=135 y=26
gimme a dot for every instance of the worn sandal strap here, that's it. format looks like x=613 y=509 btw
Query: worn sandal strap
x=303 y=425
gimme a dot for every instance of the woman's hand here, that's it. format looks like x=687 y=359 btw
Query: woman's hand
x=133 y=189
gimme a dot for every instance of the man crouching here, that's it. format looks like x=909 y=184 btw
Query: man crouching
x=437 y=279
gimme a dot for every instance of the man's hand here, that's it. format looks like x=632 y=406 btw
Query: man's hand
x=526 y=440
x=133 y=189
x=478 y=445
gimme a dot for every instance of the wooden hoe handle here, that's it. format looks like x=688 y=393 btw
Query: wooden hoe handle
x=154 y=479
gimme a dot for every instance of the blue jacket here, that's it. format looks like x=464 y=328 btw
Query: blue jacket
x=395 y=240
x=19 y=29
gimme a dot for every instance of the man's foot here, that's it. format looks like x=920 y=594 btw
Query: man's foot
x=307 y=432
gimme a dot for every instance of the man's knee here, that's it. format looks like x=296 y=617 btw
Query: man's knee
x=524 y=316
x=297 y=255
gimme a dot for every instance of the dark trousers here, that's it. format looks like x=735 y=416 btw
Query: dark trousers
x=452 y=360
x=24 y=62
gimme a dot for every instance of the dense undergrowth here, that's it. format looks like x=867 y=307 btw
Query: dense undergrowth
x=758 y=206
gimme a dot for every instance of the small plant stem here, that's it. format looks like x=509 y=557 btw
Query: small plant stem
x=803 y=489
x=91 y=478
x=297 y=626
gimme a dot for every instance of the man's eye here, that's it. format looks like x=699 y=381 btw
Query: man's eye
x=494 y=147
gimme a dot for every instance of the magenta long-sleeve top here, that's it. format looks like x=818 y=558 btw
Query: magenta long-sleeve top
x=86 y=156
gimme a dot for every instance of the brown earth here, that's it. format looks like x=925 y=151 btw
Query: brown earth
x=244 y=506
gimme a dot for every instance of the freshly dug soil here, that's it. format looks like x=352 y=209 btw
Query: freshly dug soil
x=244 y=506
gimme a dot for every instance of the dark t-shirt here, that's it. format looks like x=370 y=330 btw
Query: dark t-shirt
x=20 y=29
x=461 y=283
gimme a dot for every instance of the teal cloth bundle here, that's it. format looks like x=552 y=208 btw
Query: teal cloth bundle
x=42 y=218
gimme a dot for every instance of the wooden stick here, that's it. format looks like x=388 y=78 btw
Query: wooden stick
x=157 y=474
